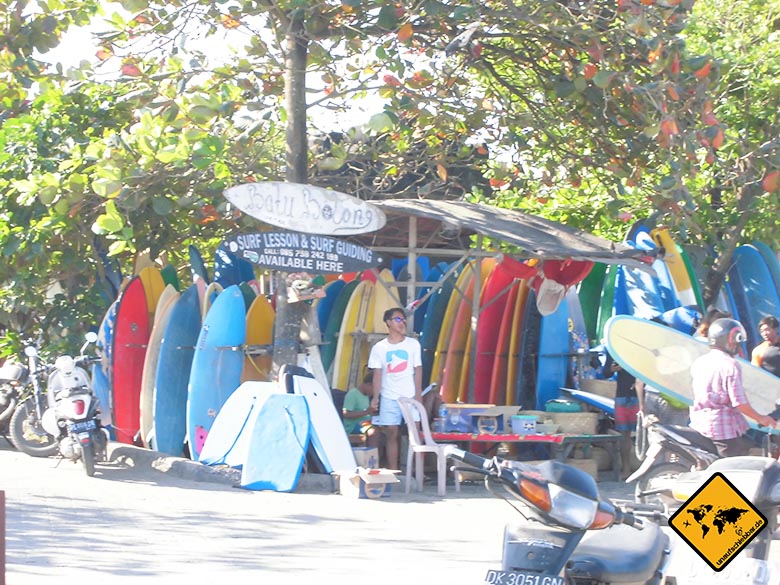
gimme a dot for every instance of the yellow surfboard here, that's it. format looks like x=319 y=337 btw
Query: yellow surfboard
x=443 y=341
x=355 y=320
x=385 y=297
x=153 y=286
x=676 y=264
x=211 y=293
x=259 y=331
x=165 y=305
x=452 y=381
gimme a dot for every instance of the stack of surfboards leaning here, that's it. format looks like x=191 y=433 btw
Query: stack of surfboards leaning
x=187 y=369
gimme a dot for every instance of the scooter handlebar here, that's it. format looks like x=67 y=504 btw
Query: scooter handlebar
x=470 y=459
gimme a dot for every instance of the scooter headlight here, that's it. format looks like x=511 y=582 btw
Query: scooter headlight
x=571 y=509
x=65 y=364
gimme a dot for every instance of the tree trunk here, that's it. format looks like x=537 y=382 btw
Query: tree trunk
x=289 y=316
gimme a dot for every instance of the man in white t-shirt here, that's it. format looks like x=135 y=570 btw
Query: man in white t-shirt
x=397 y=365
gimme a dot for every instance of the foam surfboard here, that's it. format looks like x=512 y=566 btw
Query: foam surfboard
x=165 y=305
x=216 y=365
x=278 y=445
x=328 y=436
x=131 y=334
x=661 y=357
x=231 y=434
x=174 y=363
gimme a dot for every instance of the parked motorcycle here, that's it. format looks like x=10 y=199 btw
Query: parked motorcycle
x=29 y=403
x=571 y=535
x=73 y=416
x=666 y=452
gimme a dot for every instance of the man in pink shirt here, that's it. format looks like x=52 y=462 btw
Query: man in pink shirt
x=719 y=402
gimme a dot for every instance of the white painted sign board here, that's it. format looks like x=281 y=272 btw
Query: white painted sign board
x=305 y=208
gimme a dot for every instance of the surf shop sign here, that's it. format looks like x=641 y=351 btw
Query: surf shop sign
x=305 y=208
x=292 y=251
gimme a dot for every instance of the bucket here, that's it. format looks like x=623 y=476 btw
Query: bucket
x=524 y=424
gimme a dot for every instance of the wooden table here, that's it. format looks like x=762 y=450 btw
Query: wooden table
x=561 y=444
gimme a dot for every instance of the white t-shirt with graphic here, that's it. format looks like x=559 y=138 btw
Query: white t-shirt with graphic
x=397 y=362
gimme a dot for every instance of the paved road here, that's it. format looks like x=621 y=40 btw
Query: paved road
x=132 y=523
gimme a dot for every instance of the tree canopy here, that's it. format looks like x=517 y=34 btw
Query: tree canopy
x=590 y=113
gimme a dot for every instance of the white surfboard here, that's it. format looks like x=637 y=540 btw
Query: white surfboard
x=328 y=436
x=662 y=357
x=230 y=435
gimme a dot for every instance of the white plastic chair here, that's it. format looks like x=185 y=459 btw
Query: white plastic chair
x=415 y=457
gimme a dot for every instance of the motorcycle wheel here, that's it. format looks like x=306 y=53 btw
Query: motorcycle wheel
x=27 y=434
x=658 y=477
x=88 y=458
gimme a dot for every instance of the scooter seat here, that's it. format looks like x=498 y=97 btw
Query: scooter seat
x=619 y=554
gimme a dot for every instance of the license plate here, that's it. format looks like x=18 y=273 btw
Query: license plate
x=521 y=578
x=80 y=427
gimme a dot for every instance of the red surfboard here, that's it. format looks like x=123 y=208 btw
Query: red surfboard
x=131 y=335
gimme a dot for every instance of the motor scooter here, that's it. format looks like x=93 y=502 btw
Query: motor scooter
x=73 y=416
x=570 y=536
x=667 y=451
x=28 y=399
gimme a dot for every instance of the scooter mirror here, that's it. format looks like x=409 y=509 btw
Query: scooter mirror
x=30 y=351
x=91 y=337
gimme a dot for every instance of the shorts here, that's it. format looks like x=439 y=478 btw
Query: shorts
x=390 y=413
x=626 y=410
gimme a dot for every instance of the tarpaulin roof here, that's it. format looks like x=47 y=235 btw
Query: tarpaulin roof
x=450 y=225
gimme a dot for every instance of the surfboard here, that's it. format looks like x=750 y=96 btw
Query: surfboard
x=494 y=298
x=554 y=355
x=169 y=276
x=525 y=383
x=211 y=293
x=515 y=341
x=330 y=336
x=662 y=357
x=328 y=436
x=197 y=266
x=278 y=444
x=770 y=258
x=325 y=304
x=216 y=365
x=644 y=241
x=422 y=268
x=589 y=291
x=433 y=323
x=453 y=371
x=606 y=300
x=385 y=297
x=499 y=371
x=153 y=286
x=445 y=332
x=131 y=334
x=101 y=371
x=753 y=289
x=676 y=264
x=420 y=305
x=351 y=352
x=259 y=331
x=231 y=434
x=174 y=363
x=592 y=399
x=146 y=400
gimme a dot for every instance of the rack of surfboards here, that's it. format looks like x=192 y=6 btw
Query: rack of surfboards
x=172 y=356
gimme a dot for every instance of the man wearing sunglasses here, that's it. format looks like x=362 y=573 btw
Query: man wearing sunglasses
x=719 y=403
x=397 y=365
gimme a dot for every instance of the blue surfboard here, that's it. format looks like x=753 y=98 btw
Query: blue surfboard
x=554 y=355
x=434 y=314
x=434 y=274
x=173 y=373
x=230 y=435
x=216 y=364
x=591 y=399
x=753 y=289
x=277 y=446
x=325 y=304
x=101 y=371
x=770 y=258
